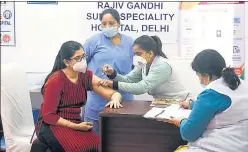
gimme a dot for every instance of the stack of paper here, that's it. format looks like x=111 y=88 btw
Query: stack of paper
x=164 y=102
x=172 y=111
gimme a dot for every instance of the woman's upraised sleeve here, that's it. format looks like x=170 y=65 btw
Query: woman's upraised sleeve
x=52 y=95
x=87 y=80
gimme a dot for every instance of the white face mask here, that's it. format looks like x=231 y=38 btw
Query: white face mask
x=110 y=32
x=80 y=66
x=139 y=62
x=203 y=85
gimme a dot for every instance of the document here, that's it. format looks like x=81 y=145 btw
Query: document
x=169 y=112
x=163 y=103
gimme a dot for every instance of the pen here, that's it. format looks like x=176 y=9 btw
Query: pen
x=184 y=100
x=186 y=97
x=159 y=113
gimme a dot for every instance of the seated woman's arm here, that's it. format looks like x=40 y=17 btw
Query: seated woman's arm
x=208 y=104
x=156 y=76
x=105 y=92
x=132 y=77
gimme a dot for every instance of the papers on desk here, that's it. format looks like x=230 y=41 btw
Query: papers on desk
x=169 y=112
x=162 y=103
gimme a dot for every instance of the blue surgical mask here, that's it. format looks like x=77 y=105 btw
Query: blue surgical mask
x=110 y=32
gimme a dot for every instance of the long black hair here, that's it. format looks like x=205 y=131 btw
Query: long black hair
x=152 y=43
x=66 y=51
x=212 y=63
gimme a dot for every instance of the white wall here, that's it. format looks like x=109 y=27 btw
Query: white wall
x=246 y=42
x=26 y=32
x=30 y=19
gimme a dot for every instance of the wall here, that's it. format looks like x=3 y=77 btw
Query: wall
x=41 y=29
x=29 y=20
x=193 y=84
x=25 y=31
x=31 y=43
x=246 y=42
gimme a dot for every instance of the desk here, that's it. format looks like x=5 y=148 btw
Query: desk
x=125 y=130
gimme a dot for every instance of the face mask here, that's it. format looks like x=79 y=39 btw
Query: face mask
x=110 y=32
x=203 y=85
x=139 y=62
x=80 y=66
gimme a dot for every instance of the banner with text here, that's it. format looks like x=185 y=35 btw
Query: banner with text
x=7 y=23
x=214 y=25
x=137 y=18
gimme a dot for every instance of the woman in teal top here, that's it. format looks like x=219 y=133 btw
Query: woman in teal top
x=219 y=117
x=112 y=48
x=153 y=72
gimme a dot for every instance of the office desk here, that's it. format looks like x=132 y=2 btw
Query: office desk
x=125 y=130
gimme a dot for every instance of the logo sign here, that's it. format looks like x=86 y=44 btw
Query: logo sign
x=236 y=20
x=237 y=35
x=7 y=14
x=6 y=38
x=238 y=71
x=218 y=33
x=236 y=49
x=7 y=23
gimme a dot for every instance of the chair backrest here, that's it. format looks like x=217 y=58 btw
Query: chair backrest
x=16 y=109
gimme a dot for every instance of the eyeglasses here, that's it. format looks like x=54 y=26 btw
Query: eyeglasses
x=79 y=58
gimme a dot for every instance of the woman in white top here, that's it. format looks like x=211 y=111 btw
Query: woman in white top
x=153 y=72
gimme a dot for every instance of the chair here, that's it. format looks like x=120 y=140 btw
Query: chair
x=16 y=109
x=37 y=145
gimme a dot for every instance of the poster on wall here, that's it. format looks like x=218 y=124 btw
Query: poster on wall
x=214 y=25
x=7 y=17
x=137 y=18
